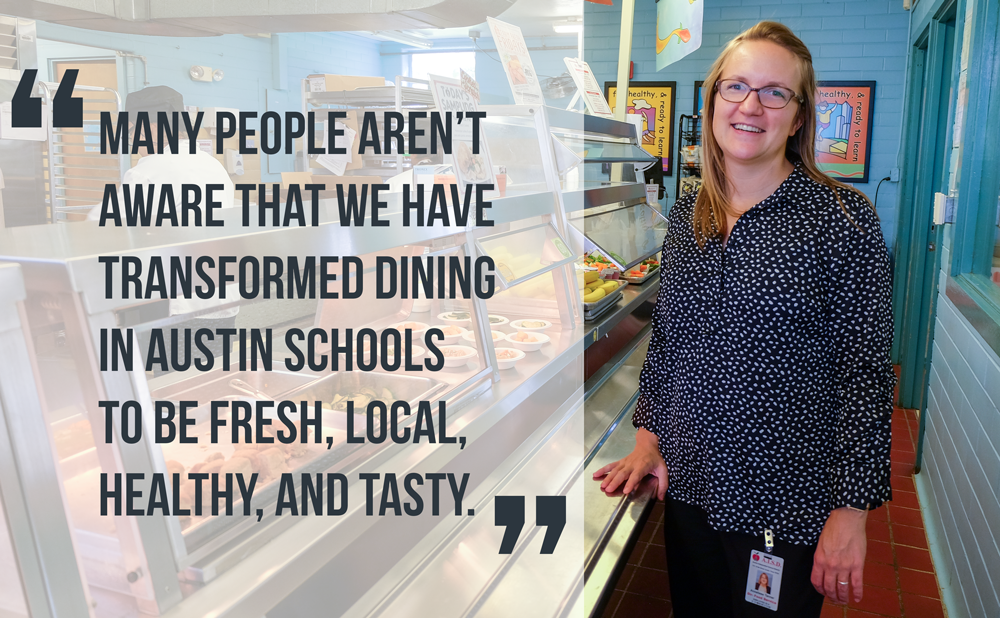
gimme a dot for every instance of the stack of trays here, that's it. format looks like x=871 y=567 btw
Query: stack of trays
x=592 y=311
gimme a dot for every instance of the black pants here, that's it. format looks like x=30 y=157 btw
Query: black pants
x=708 y=570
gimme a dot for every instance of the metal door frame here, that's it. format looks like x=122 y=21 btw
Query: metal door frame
x=930 y=110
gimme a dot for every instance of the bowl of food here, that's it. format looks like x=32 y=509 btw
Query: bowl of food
x=455 y=317
x=415 y=353
x=416 y=327
x=457 y=355
x=471 y=336
x=508 y=357
x=531 y=325
x=452 y=333
x=528 y=342
x=497 y=320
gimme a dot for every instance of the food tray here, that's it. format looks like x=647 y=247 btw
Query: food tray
x=592 y=307
x=593 y=314
x=215 y=385
x=404 y=388
x=637 y=280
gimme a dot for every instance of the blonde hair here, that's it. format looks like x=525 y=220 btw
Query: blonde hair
x=713 y=204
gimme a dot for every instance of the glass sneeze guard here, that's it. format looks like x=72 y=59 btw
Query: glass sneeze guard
x=522 y=254
x=626 y=235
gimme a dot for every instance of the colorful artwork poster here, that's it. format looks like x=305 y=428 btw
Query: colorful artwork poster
x=678 y=30
x=699 y=97
x=844 y=113
x=654 y=101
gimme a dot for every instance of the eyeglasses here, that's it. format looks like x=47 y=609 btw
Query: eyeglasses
x=771 y=97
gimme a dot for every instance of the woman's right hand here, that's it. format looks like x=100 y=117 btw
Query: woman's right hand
x=644 y=459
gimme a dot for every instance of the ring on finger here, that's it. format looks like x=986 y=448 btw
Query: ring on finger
x=842 y=583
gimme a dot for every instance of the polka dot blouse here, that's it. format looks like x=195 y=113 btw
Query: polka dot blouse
x=768 y=379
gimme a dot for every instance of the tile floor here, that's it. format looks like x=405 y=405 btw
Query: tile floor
x=899 y=576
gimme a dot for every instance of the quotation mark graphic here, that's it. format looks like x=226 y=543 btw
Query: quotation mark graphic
x=550 y=512
x=26 y=110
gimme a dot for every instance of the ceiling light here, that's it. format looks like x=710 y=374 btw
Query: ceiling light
x=568 y=28
x=404 y=38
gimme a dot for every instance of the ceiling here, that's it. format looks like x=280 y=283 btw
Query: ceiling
x=534 y=17
x=216 y=17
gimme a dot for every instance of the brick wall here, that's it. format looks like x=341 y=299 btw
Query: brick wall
x=860 y=40
x=961 y=465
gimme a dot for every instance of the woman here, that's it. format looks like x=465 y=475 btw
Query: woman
x=763 y=585
x=766 y=392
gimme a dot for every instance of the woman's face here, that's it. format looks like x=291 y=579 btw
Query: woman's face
x=748 y=132
x=763 y=579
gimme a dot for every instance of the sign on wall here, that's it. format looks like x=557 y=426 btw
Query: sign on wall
x=654 y=101
x=699 y=97
x=844 y=112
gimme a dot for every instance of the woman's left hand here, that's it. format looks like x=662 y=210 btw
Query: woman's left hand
x=840 y=555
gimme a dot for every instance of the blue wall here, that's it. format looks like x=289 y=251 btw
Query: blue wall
x=961 y=466
x=861 y=40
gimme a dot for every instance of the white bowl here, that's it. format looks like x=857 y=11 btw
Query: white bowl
x=528 y=346
x=416 y=327
x=500 y=320
x=448 y=319
x=470 y=336
x=458 y=361
x=518 y=325
x=452 y=338
x=416 y=352
x=508 y=363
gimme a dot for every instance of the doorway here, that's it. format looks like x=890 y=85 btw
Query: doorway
x=928 y=127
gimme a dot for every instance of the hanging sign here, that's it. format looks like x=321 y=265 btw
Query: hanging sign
x=516 y=62
x=678 y=30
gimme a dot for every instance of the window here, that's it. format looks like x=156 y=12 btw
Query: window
x=446 y=64
x=995 y=270
x=974 y=284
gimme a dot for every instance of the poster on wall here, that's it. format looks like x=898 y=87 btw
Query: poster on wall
x=699 y=97
x=516 y=62
x=654 y=101
x=678 y=30
x=844 y=113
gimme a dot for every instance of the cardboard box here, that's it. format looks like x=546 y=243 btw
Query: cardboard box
x=332 y=83
x=295 y=178
x=350 y=121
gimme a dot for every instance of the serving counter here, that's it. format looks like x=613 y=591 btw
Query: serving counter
x=512 y=385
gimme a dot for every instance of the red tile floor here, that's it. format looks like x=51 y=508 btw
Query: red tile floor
x=899 y=577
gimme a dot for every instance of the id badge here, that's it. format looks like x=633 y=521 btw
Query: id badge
x=764 y=579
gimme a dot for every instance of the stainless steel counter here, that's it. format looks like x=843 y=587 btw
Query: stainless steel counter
x=613 y=522
x=632 y=297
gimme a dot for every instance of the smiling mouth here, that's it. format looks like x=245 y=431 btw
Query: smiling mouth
x=747 y=128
